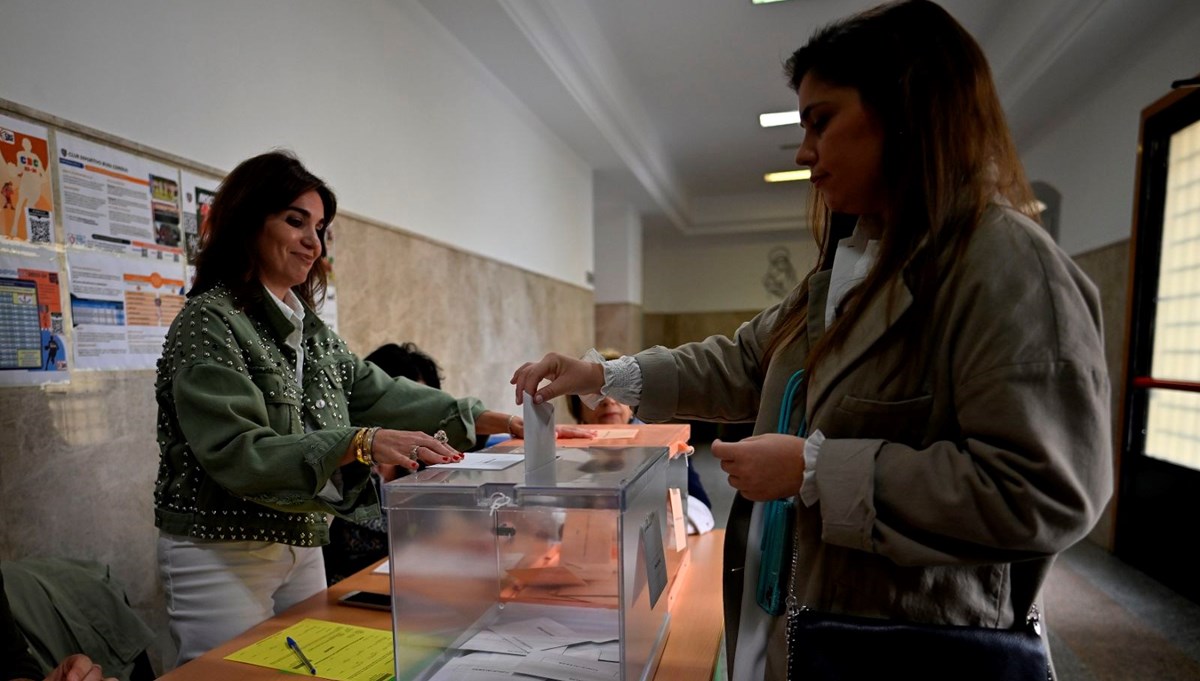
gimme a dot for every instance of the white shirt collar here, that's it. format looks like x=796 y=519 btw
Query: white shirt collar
x=290 y=306
x=852 y=261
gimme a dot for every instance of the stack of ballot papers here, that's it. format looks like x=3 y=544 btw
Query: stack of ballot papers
x=541 y=648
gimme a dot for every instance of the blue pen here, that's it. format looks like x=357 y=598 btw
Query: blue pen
x=291 y=643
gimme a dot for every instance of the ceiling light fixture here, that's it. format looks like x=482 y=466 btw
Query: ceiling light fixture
x=772 y=120
x=764 y=2
x=788 y=175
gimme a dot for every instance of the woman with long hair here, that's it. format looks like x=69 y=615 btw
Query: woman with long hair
x=939 y=377
x=267 y=422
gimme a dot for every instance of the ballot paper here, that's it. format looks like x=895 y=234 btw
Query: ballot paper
x=539 y=433
x=540 y=647
x=538 y=634
x=483 y=461
x=491 y=642
x=479 y=667
x=568 y=668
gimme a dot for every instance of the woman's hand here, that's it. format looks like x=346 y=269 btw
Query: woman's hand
x=404 y=448
x=763 y=467
x=78 y=668
x=573 y=433
x=516 y=428
x=568 y=376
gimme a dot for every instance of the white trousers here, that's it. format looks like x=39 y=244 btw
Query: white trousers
x=217 y=589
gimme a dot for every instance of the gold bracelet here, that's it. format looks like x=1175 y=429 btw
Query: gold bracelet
x=370 y=437
x=508 y=425
x=360 y=453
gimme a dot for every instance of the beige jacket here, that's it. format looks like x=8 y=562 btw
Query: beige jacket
x=945 y=492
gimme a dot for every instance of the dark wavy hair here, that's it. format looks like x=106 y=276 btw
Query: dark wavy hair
x=257 y=188
x=408 y=361
x=947 y=150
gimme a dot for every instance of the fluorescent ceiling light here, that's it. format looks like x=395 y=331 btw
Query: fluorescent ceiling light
x=788 y=175
x=771 y=120
x=764 y=2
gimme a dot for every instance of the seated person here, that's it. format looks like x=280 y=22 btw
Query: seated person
x=18 y=664
x=611 y=412
x=351 y=546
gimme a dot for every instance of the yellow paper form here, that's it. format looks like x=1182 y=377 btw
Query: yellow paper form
x=337 y=651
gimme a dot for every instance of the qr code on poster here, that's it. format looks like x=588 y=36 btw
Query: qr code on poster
x=39 y=226
x=56 y=323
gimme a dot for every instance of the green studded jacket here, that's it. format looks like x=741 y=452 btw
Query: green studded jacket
x=236 y=463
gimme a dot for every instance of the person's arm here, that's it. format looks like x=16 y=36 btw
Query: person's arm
x=1031 y=470
x=14 y=651
x=376 y=399
x=78 y=668
x=717 y=379
x=223 y=415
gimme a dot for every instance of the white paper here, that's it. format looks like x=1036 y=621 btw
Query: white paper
x=540 y=626
x=479 y=667
x=539 y=634
x=568 y=668
x=117 y=201
x=483 y=461
x=491 y=642
x=539 y=433
x=610 y=652
x=121 y=308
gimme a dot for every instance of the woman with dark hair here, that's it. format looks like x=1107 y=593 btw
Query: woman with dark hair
x=408 y=361
x=267 y=422
x=949 y=428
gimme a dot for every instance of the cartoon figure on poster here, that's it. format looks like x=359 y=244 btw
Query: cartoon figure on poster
x=25 y=187
x=53 y=344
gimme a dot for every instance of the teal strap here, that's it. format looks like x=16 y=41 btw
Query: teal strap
x=789 y=398
x=777 y=519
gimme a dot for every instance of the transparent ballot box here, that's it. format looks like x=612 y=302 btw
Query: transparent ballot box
x=559 y=571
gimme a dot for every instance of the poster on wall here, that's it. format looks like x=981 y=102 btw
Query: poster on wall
x=328 y=311
x=329 y=308
x=28 y=200
x=121 y=308
x=33 y=347
x=118 y=202
x=198 y=193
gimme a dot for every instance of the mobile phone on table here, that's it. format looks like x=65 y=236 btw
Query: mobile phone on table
x=367 y=599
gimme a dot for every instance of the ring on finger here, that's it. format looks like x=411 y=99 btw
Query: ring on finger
x=441 y=437
x=413 y=454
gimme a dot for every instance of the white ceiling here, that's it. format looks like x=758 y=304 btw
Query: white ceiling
x=662 y=97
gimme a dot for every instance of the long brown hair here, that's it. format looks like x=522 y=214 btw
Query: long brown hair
x=257 y=188
x=947 y=151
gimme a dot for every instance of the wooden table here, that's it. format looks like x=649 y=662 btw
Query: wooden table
x=694 y=597
x=690 y=651
x=674 y=436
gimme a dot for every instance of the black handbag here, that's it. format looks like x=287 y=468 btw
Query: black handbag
x=825 y=647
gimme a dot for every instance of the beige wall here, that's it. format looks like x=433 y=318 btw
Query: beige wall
x=78 y=461
x=620 y=326
x=676 y=329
